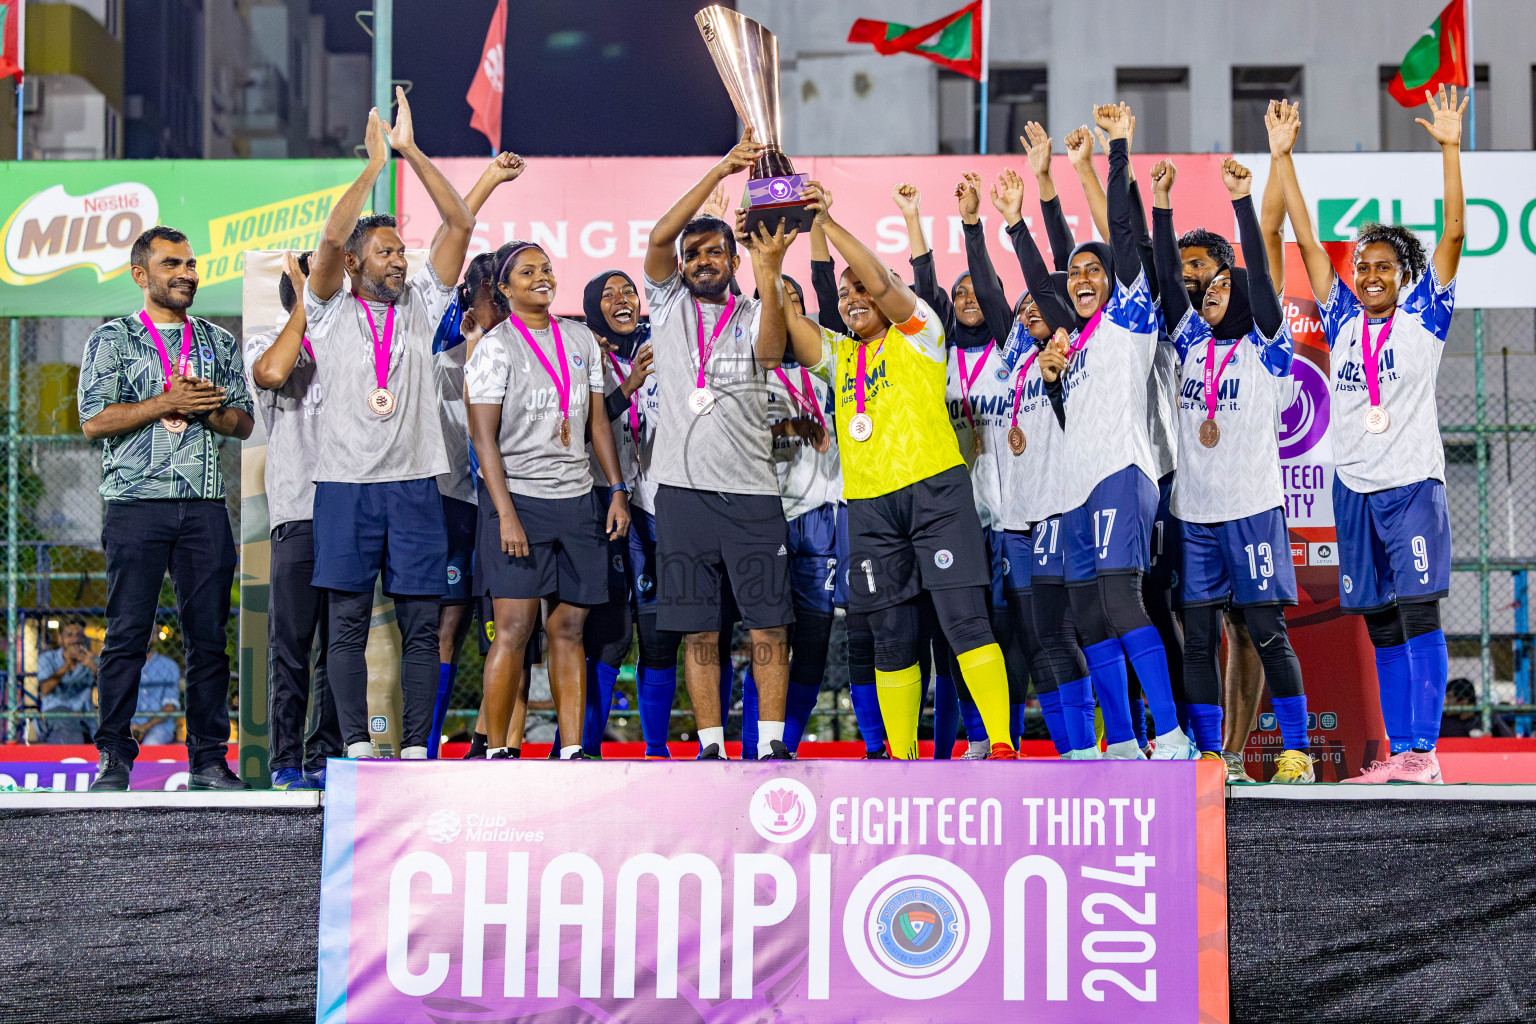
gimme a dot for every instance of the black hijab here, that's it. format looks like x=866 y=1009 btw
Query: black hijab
x=1106 y=257
x=592 y=305
x=963 y=336
x=1237 y=321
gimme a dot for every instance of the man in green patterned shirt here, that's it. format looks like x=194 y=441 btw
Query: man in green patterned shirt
x=155 y=388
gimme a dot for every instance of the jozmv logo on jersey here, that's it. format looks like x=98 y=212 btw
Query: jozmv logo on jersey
x=443 y=826
x=943 y=558
x=782 y=810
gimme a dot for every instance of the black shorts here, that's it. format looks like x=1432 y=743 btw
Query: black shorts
x=568 y=550
x=926 y=536
x=462 y=519
x=705 y=539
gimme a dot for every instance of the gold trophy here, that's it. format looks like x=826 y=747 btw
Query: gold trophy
x=747 y=56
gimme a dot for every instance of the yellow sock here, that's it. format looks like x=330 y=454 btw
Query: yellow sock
x=986 y=674
x=901 y=701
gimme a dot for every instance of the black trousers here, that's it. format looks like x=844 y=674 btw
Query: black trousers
x=144 y=540
x=295 y=614
x=350 y=614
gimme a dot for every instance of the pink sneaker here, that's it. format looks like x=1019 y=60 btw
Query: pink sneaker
x=1380 y=771
x=1418 y=767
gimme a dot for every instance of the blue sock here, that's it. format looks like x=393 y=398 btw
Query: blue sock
x=866 y=712
x=657 y=691
x=748 y=717
x=1106 y=667
x=1139 y=721
x=946 y=717
x=797 y=711
x=1430 y=670
x=975 y=728
x=445 y=675
x=1077 y=709
x=1144 y=649
x=1394 y=682
x=1292 y=714
x=1205 y=720
x=1015 y=723
x=601 y=679
x=1184 y=720
x=1055 y=720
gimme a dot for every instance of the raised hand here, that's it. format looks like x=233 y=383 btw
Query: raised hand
x=639 y=369
x=1051 y=362
x=770 y=248
x=1163 y=175
x=1008 y=195
x=968 y=195
x=716 y=205
x=1079 y=146
x=1114 y=118
x=1037 y=147
x=1237 y=178
x=506 y=167
x=1283 y=122
x=291 y=268
x=1446 y=128
x=373 y=138
x=907 y=198
x=743 y=236
x=402 y=134
x=190 y=396
x=742 y=155
x=1130 y=132
x=817 y=198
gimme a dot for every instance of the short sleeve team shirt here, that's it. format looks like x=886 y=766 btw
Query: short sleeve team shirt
x=291 y=417
x=1409 y=450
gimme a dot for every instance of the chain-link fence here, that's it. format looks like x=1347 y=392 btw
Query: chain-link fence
x=54 y=569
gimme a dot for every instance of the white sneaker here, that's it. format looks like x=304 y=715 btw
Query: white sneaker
x=363 y=749
x=976 y=750
x=1173 y=745
x=1086 y=754
x=1123 y=751
x=413 y=753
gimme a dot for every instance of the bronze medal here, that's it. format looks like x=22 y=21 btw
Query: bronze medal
x=381 y=401
x=173 y=424
x=861 y=427
x=565 y=432
x=976 y=444
x=1376 y=419
x=700 y=401
x=1016 y=440
x=1210 y=433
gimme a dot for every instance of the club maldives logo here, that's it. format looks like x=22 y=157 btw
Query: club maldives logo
x=443 y=826
x=53 y=232
x=916 y=926
x=782 y=810
x=1305 y=420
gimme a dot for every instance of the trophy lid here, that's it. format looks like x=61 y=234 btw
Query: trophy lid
x=747 y=56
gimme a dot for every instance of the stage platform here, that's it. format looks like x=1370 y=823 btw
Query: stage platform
x=1346 y=904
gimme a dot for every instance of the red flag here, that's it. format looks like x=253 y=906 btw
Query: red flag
x=953 y=41
x=12 y=41
x=485 y=91
x=1439 y=57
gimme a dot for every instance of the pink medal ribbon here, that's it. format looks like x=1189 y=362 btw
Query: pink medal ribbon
x=562 y=379
x=1086 y=333
x=634 y=408
x=807 y=399
x=705 y=351
x=380 y=401
x=967 y=379
x=1376 y=419
x=1018 y=384
x=305 y=343
x=173 y=424
x=1212 y=373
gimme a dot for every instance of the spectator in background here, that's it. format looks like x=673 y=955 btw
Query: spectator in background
x=66 y=674
x=159 y=699
x=1468 y=723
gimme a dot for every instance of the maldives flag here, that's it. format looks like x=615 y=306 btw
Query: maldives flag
x=485 y=91
x=953 y=41
x=1438 y=58
x=12 y=41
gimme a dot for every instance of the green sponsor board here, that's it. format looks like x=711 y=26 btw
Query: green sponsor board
x=68 y=226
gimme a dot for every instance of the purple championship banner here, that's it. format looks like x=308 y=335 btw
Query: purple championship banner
x=818 y=891
x=76 y=776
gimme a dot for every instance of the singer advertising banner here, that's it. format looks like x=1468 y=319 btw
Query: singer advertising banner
x=1055 y=892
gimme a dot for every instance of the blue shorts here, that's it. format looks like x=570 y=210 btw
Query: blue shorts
x=460 y=518
x=1111 y=532
x=395 y=527
x=1047 y=566
x=840 y=580
x=1018 y=557
x=618 y=569
x=813 y=561
x=642 y=558
x=1247 y=560
x=1394 y=545
x=1165 y=558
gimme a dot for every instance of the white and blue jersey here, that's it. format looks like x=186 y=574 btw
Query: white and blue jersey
x=990 y=407
x=810 y=487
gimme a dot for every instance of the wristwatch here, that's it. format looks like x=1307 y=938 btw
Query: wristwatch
x=617 y=487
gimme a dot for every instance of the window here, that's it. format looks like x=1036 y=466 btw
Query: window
x=1252 y=90
x=1015 y=96
x=1159 y=97
x=1400 y=132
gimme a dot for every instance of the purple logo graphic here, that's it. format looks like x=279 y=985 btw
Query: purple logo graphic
x=784 y=803
x=1305 y=420
x=782 y=810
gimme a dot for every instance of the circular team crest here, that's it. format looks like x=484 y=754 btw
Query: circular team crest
x=454 y=575
x=1002 y=374
x=1007 y=567
x=916 y=927
x=943 y=558
x=1349 y=585
x=1173 y=578
x=576 y=359
x=618 y=563
x=644 y=583
x=738 y=332
x=782 y=810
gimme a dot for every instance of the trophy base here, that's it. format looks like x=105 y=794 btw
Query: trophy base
x=795 y=216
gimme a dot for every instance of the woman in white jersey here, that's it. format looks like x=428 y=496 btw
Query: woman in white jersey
x=1235 y=363
x=1386 y=332
x=531 y=384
